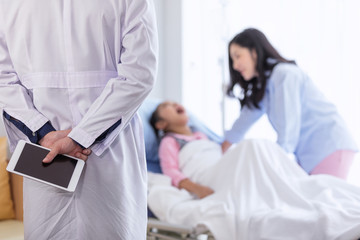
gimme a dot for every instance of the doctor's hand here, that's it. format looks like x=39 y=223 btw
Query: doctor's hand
x=59 y=143
x=49 y=139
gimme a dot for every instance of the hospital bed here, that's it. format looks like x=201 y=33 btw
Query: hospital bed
x=267 y=197
x=157 y=229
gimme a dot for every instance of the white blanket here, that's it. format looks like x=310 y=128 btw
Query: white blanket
x=260 y=193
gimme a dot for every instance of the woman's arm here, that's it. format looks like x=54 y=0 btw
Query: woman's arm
x=246 y=119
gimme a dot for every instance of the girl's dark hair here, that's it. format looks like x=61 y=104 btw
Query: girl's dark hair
x=267 y=57
x=155 y=117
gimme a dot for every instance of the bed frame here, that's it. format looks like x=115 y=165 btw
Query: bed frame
x=158 y=230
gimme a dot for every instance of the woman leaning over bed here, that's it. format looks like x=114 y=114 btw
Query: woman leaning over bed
x=171 y=119
x=306 y=123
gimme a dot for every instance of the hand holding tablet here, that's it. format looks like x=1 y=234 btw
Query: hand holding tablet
x=60 y=143
x=63 y=172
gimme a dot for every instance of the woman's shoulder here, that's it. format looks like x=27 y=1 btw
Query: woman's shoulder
x=287 y=68
x=286 y=72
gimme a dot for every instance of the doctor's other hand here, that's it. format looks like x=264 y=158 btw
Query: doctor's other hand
x=225 y=146
x=49 y=139
x=58 y=143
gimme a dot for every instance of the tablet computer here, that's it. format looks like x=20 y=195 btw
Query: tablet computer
x=63 y=172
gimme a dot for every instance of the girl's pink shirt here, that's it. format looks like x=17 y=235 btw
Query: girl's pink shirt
x=169 y=155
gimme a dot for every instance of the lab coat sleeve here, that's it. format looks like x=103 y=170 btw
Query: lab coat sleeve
x=14 y=97
x=34 y=137
x=246 y=119
x=123 y=95
x=286 y=104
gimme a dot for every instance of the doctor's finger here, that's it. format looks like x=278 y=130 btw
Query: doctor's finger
x=51 y=155
x=86 y=151
x=81 y=156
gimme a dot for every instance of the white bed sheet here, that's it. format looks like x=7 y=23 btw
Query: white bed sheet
x=260 y=193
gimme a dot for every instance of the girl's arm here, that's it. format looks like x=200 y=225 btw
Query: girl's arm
x=197 y=189
x=169 y=162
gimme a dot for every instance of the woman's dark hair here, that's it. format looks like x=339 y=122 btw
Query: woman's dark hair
x=267 y=57
x=155 y=117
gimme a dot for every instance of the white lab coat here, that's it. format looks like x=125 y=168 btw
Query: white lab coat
x=82 y=65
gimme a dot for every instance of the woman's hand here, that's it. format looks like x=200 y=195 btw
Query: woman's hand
x=225 y=146
x=59 y=143
x=197 y=189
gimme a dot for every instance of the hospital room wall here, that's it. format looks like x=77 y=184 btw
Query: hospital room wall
x=180 y=72
x=169 y=78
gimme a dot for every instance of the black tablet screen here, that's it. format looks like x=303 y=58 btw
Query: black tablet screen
x=58 y=172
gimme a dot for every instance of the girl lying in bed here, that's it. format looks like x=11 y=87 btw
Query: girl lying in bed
x=253 y=191
x=171 y=119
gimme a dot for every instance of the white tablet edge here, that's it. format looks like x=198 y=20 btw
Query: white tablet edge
x=74 y=178
x=15 y=156
x=76 y=174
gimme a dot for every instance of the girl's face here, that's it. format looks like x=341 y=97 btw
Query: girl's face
x=244 y=61
x=172 y=114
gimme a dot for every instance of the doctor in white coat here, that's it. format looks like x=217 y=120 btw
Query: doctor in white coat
x=72 y=75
